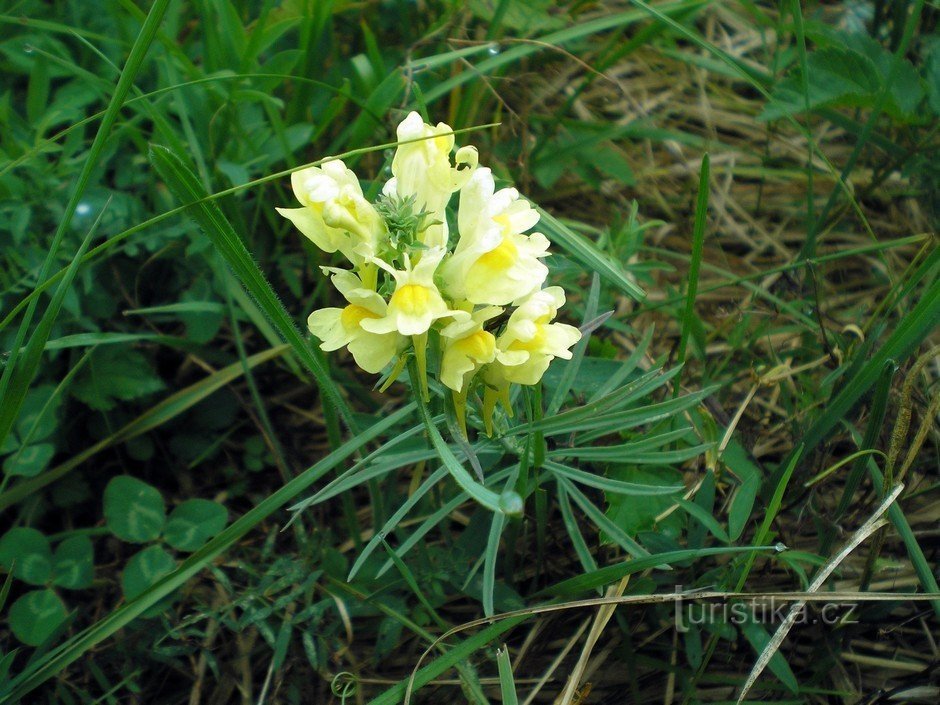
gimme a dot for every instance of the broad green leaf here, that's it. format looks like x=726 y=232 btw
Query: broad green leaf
x=523 y=17
x=27 y=552
x=36 y=615
x=145 y=569
x=133 y=510
x=37 y=421
x=852 y=73
x=114 y=374
x=634 y=513
x=73 y=563
x=28 y=461
x=193 y=523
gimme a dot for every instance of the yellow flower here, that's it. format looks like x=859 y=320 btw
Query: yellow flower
x=467 y=347
x=494 y=262
x=338 y=327
x=423 y=169
x=531 y=341
x=335 y=215
x=416 y=303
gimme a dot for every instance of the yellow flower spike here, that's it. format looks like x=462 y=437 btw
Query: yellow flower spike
x=423 y=169
x=466 y=347
x=494 y=262
x=531 y=341
x=335 y=214
x=339 y=327
x=416 y=302
x=420 y=343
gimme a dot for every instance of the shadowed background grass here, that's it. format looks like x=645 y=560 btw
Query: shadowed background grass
x=749 y=188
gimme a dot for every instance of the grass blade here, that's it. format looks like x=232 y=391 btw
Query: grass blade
x=698 y=243
x=184 y=184
x=20 y=371
x=922 y=320
x=507 y=684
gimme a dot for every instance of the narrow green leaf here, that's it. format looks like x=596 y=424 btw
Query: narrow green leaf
x=919 y=322
x=507 y=684
x=585 y=253
x=698 y=243
x=600 y=520
x=490 y=557
x=706 y=519
x=571 y=367
x=609 y=485
x=613 y=573
x=485 y=496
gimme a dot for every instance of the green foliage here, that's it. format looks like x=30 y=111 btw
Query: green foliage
x=194 y=522
x=134 y=510
x=36 y=616
x=129 y=350
x=590 y=153
x=113 y=375
x=144 y=569
x=73 y=563
x=853 y=70
x=26 y=552
x=28 y=443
